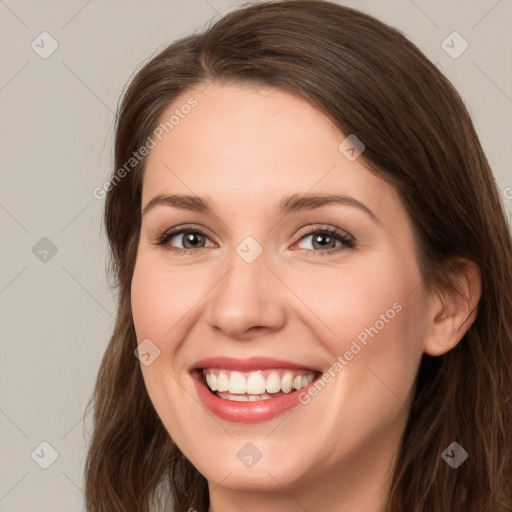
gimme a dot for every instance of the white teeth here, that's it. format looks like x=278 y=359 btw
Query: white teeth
x=273 y=383
x=211 y=379
x=244 y=398
x=237 y=383
x=222 y=382
x=254 y=384
x=286 y=382
x=238 y=398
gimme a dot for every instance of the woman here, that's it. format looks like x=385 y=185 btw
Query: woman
x=314 y=273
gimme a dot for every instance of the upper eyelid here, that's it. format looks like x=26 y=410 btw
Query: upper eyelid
x=308 y=230
x=189 y=227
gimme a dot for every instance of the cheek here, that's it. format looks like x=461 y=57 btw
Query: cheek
x=161 y=298
x=353 y=302
x=373 y=319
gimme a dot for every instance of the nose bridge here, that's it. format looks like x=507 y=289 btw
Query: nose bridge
x=247 y=295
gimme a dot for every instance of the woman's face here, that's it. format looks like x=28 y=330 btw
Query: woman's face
x=256 y=296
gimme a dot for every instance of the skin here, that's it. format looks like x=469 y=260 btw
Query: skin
x=245 y=147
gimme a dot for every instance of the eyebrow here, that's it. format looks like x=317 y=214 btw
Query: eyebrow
x=289 y=204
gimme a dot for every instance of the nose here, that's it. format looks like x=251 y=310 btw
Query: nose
x=249 y=300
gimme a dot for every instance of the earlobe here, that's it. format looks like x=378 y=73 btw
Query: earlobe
x=454 y=308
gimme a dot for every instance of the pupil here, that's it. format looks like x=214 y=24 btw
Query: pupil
x=189 y=238
x=318 y=239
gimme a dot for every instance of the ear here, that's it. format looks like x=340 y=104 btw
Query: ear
x=451 y=312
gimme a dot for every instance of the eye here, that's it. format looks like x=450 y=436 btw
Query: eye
x=192 y=239
x=327 y=240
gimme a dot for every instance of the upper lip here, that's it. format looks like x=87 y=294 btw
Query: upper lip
x=247 y=365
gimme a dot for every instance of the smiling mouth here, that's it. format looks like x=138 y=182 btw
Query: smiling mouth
x=252 y=386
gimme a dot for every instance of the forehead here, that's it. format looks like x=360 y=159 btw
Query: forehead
x=246 y=143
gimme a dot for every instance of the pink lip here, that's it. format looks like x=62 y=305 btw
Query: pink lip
x=245 y=412
x=247 y=365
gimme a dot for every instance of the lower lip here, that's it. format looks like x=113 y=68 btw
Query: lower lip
x=246 y=412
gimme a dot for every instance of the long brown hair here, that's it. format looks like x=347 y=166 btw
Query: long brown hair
x=370 y=81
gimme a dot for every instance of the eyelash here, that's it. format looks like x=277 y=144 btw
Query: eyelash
x=339 y=235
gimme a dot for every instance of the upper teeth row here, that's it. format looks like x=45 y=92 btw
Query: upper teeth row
x=255 y=383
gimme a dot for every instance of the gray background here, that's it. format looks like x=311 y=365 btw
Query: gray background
x=56 y=310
